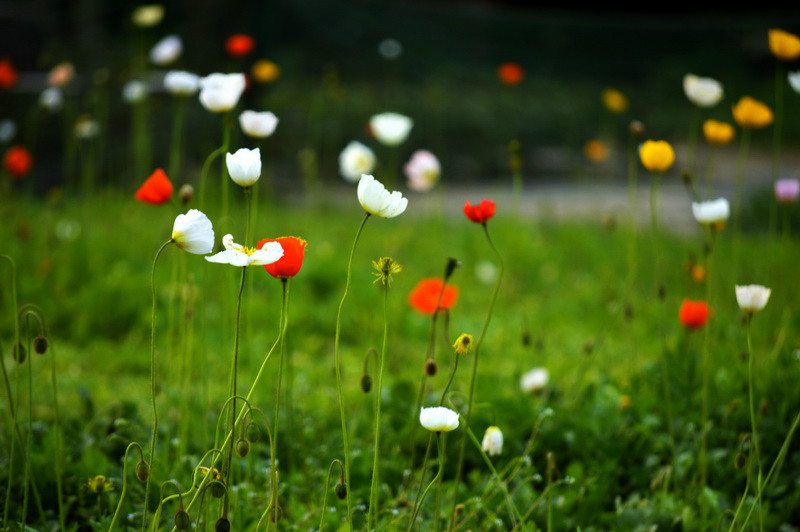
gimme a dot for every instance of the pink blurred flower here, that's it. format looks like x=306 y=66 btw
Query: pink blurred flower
x=422 y=170
x=787 y=190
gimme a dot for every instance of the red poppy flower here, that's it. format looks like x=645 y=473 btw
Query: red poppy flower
x=510 y=73
x=293 y=252
x=425 y=295
x=693 y=314
x=17 y=161
x=156 y=190
x=240 y=45
x=481 y=212
x=8 y=74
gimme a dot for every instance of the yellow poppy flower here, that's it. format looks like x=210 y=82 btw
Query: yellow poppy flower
x=716 y=132
x=751 y=113
x=657 y=155
x=784 y=45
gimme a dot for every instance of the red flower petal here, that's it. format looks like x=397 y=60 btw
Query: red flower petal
x=693 y=314
x=293 y=253
x=479 y=213
x=240 y=45
x=156 y=190
x=425 y=295
x=17 y=161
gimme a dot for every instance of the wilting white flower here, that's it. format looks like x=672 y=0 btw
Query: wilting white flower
x=422 y=170
x=390 y=129
x=794 y=80
x=714 y=212
x=148 y=15
x=181 y=83
x=752 y=298
x=238 y=255
x=221 y=92
x=8 y=129
x=86 y=127
x=244 y=166
x=52 y=99
x=703 y=92
x=438 y=419
x=192 y=232
x=167 y=50
x=258 y=125
x=376 y=200
x=356 y=160
x=535 y=380
x=134 y=91
x=493 y=441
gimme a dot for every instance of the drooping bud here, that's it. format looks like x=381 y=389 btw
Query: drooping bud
x=253 y=434
x=222 y=525
x=186 y=193
x=217 y=489
x=739 y=461
x=340 y=490
x=182 y=520
x=20 y=353
x=430 y=367
x=366 y=383
x=242 y=447
x=142 y=471
x=451 y=266
x=40 y=344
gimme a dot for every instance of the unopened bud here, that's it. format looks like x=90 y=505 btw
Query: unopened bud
x=217 y=489
x=458 y=510
x=763 y=408
x=186 y=193
x=242 y=447
x=366 y=383
x=340 y=490
x=452 y=264
x=662 y=292
x=253 y=433
x=142 y=471
x=588 y=347
x=222 y=525
x=276 y=514
x=628 y=312
x=739 y=461
x=526 y=338
x=687 y=177
x=20 y=353
x=636 y=129
x=40 y=345
x=430 y=368
x=182 y=520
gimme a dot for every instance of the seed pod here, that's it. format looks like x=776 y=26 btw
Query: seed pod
x=40 y=345
x=222 y=525
x=182 y=520
x=242 y=447
x=431 y=368
x=253 y=434
x=366 y=383
x=217 y=489
x=20 y=353
x=142 y=471
x=340 y=490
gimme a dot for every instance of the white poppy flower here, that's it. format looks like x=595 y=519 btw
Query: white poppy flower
x=438 y=419
x=493 y=441
x=711 y=212
x=238 y=255
x=166 y=51
x=192 y=232
x=181 y=83
x=794 y=80
x=8 y=130
x=535 y=380
x=258 y=125
x=703 y=92
x=52 y=99
x=390 y=129
x=376 y=200
x=134 y=91
x=356 y=160
x=86 y=127
x=422 y=170
x=752 y=298
x=147 y=16
x=221 y=92
x=244 y=166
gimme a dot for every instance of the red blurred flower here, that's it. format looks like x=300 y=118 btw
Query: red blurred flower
x=8 y=74
x=481 y=212
x=510 y=73
x=240 y=45
x=693 y=314
x=425 y=295
x=156 y=190
x=18 y=161
x=293 y=252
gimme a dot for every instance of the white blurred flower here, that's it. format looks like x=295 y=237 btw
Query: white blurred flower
x=8 y=130
x=193 y=232
x=703 y=92
x=438 y=419
x=422 y=170
x=376 y=200
x=52 y=99
x=238 y=255
x=535 y=380
x=390 y=48
x=221 y=92
x=390 y=129
x=258 y=125
x=148 y=15
x=86 y=127
x=752 y=298
x=134 y=91
x=166 y=51
x=181 y=83
x=356 y=160
x=714 y=212
x=486 y=272
x=244 y=166
x=794 y=80
x=493 y=441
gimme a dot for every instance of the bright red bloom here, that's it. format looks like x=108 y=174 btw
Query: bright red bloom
x=8 y=74
x=510 y=73
x=425 y=295
x=294 y=249
x=481 y=212
x=156 y=190
x=18 y=161
x=240 y=45
x=693 y=314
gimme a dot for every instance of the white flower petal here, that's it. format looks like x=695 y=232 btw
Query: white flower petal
x=193 y=232
x=438 y=419
x=271 y=252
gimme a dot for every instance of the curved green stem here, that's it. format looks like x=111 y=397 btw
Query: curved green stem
x=373 y=491
x=125 y=480
x=325 y=490
x=418 y=503
x=274 y=442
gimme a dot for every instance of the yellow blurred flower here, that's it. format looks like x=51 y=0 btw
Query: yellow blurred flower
x=463 y=344
x=99 y=484
x=265 y=71
x=614 y=100
x=698 y=273
x=596 y=150
x=147 y=16
x=625 y=402
x=784 y=45
x=751 y=113
x=717 y=132
x=657 y=155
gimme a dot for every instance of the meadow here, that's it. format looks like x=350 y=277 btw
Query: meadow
x=203 y=335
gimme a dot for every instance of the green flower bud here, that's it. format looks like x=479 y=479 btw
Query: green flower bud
x=253 y=433
x=222 y=525
x=142 y=471
x=40 y=345
x=182 y=520
x=242 y=447
x=340 y=490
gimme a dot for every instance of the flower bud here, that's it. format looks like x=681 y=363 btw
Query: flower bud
x=340 y=490
x=20 y=353
x=636 y=129
x=142 y=471
x=452 y=264
x=628 y=312
x=458 y=511
x=40 y=345
x=687 y=177
x=430 y=368
x=182 y=520
x=222 y=525
x=366 y=383
x=739 y=461
x=662 y=292
x=186 y=193
x=252 y=433
x=217 y=489
x=242 y=447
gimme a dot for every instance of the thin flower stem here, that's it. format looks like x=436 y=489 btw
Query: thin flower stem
x=345 y=442
x=153 y=379
x=11 y=410
x=177 y=134
x=373 y=492
x=223 y=174
x=418 y=504
x=780 y=79
x=710 y=167
x=124 y=480
x=754 y=438
x=204 y=174
x=274 y=443
x=27 y=472
x=705 y=372
x=744 y=147
x=478 y=346
x=450 y=380
x=325 y=490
